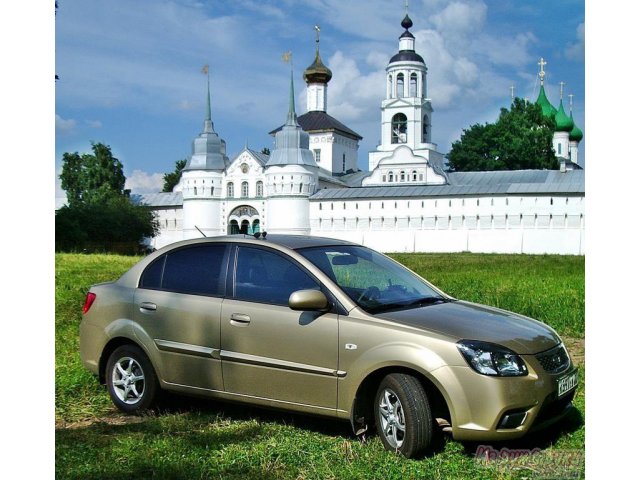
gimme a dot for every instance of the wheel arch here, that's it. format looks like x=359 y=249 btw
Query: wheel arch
x=361 y=416
x=109 y=348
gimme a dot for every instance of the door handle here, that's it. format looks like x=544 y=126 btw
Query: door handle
x=146 y=307
x=240 y=319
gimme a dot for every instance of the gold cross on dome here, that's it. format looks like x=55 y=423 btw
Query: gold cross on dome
x=570 y=101
x=542 y=63
x=561 y=89
x=513 y=88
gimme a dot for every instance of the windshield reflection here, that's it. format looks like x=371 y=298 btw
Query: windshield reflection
x=372 y=280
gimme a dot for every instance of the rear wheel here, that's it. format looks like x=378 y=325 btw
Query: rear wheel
x=131 y=380
x=403 y=415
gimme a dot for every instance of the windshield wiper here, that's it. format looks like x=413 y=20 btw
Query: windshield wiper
x=426 y=301
x=413 y=303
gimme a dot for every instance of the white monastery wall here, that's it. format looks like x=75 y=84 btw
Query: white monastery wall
x=506 y=224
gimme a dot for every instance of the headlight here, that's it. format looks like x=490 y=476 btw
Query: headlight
x=491 y=359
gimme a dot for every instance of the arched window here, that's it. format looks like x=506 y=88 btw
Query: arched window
x=390 y=176
x=413 y=85
x=414 y=175
x=425 y=129
x=402 y=176
x=230 y=189
x=400 y=85
x=390 y=87
x=259 y=189
x=399 y=128
x=245 y=189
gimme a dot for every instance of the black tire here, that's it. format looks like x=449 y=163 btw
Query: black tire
x=401 y=401
x=131 y=379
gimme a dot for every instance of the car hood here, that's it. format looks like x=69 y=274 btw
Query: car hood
x=470 y=321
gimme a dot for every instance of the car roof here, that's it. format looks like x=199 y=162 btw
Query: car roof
x=293 y=242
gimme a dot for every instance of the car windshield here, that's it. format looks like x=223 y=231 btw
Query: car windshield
x=370 y=279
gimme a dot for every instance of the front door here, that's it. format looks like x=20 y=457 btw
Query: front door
x=268 y=350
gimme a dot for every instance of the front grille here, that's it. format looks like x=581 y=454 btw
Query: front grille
x=555 y=360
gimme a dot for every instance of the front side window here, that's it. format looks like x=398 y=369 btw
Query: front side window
x=370 y=279
x=193 y=270
x=245 y=189
x=230 y=189
x=267 y=277
x=259 y=189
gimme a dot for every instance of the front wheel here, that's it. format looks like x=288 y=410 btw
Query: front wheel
x=403 y=415
x=131 y=380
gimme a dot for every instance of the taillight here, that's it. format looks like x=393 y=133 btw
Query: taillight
x=88 y=302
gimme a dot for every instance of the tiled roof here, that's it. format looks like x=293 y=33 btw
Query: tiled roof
x=474 y=183
x=164 y=199
x=320 y=122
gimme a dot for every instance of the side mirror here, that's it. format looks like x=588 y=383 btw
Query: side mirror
x=308 y=300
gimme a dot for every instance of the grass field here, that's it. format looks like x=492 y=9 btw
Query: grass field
x=192 y=438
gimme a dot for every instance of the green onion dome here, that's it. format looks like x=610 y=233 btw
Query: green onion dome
x=576 y=134
x=563 y=122
x=548 y=110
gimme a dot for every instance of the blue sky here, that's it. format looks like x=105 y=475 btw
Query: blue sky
x=130 y=72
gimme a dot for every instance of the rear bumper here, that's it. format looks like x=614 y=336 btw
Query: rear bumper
x=92 y=341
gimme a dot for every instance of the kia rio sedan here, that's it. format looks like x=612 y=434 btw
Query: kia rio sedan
x=326 y=327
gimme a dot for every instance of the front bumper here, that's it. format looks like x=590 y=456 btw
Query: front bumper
x=502 y=408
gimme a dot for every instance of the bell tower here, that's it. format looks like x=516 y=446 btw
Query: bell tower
x=406 y=115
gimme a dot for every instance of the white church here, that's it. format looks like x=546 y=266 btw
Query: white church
x=407 y=201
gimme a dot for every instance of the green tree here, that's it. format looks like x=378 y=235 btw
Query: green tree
x=172 y=179
x=520 y=139
x=100 y=216
x=91 y=178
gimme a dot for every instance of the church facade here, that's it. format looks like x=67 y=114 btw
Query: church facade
x=406 y=202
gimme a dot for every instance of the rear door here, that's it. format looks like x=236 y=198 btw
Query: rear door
x=268 y=350
x=177 y=306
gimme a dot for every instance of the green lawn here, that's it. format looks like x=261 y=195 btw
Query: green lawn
x=193 y=438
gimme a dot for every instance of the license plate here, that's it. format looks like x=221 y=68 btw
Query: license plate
x=567 y=383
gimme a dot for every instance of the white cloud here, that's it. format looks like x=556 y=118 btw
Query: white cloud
x=143 y=182
x=64 y=127
x=461 y=18
x=504 y=50
x=188 y=105
x=351 y=92
x=575 y=51
x=94 y=123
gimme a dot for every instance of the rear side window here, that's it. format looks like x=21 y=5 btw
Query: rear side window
x=194 y=270
x=266 y=277
x=152 y=276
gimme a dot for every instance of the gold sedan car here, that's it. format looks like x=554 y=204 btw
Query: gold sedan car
x=326 y=327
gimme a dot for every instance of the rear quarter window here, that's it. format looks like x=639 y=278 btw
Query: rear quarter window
x=152 y=276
